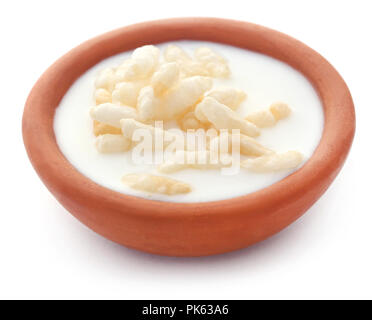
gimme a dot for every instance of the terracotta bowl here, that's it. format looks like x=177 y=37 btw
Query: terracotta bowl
x=189 y=229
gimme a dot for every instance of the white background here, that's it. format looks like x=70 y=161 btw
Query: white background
x=46 y=253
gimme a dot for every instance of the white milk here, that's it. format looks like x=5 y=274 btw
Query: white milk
x=264 y=79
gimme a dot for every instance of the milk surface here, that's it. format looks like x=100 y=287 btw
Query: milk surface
x=264 y=79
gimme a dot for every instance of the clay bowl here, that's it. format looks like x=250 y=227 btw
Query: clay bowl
x=189 y=229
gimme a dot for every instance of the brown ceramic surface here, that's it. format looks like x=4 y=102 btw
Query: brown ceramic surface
x=189 y=229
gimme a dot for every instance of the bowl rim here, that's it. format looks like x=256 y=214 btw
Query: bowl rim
x=63 y=180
